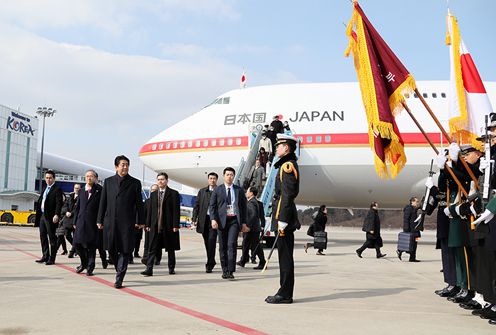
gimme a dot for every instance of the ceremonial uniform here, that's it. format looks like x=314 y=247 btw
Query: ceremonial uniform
x=287 y=186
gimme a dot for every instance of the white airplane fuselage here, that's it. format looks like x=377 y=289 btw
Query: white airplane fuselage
x=336 y=162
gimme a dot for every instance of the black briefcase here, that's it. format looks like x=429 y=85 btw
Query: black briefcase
x=320 y=240
x=405 y=241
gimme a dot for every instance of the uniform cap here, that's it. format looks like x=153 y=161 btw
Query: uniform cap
x=283 y=138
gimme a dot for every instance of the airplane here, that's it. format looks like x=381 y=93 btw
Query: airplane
x=336 y=162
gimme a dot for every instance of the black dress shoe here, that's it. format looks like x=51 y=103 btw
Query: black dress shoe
x=144 y=261
x=157 y=262
x=225 y=275
x=471 y=305
x=41 y=260
x=240 y=264
x=147 y=273
x=381 y=255
x=230 y=276
x=441 y=291
x=478 y=312
x=172 y=272
x=359 y=254
x=259 y=266
x=399 y=253
x=71 y=254
x=131 y=261
x=488 y=314
x=277 y=299
x=208 y=270
x=118 y=285
x=80 y=269
x=104 y=263
x=253 y=261
x=492 y=322
x=450 y=293
x=463 y=299
x=50 y=262
x=414 y=260
x=89 y=273
x=136 y=255
x=64 y=253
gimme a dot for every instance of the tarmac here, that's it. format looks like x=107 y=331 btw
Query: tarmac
x=338 y=293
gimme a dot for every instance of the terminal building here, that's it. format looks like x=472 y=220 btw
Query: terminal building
x=18 y=156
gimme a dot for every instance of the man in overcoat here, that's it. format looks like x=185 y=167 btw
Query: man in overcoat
x=162 y=224
x=120 y=211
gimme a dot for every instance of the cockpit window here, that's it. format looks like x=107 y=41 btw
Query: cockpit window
x=226 y=100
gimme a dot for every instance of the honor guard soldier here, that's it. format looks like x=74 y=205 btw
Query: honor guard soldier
x=284 y=216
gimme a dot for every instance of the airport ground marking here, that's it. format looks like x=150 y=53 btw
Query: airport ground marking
x=199 y=315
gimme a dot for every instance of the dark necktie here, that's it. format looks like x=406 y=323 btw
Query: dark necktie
x=229 y=201
x=161 y=196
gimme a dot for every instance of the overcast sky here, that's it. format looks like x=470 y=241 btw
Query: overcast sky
x=119 y=72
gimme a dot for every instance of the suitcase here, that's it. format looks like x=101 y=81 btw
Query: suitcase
x=405 y=241
x=320 y=240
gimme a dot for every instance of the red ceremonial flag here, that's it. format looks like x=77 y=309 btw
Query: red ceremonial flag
x=383 y=80
x=242 y=82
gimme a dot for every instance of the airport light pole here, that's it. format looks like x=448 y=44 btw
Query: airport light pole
x=45 y=112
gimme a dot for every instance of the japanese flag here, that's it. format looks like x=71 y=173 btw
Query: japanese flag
x=242 y=82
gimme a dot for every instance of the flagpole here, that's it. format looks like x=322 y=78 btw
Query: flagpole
x=446 y=135
x=457 y=181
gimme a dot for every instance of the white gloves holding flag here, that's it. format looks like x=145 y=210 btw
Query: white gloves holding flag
x=484 y=164
x=281 y=225
x=441 y=160
x=454 y=150
x=484 y=218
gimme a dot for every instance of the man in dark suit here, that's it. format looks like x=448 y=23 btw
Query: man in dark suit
x=285 y=215
x=162 y=223
x=409 y=226
x=85 y=214
x=68 y=217
x=228 y=215
x=121 y=209
x=250 y=238
x=201 y=219
x=48 y=212
x=146 y=247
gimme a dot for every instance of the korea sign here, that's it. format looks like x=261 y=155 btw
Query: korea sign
x=20 y=124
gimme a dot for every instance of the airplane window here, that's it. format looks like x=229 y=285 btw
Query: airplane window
x=221 y=142
x=182 y=144
x=309 y=139
x=327 y=138
x=443 y=95
x=214 y=142
x=229 y=141
x=154 y=147
x=190 y=144
x=167 y=145
x=434 y=95
x=197 y=143
x=238 y=141
x=174 y=145
x=205 y=143
x=160 y=146
x=300 y=139
x=318 y=139
x=415 y=95
x=425 y=95
x=226 y=100
x=407 y=95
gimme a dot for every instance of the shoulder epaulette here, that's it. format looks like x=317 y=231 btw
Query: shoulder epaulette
x=288 y=167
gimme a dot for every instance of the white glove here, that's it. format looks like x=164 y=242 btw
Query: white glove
x=447 y=212
x=485 y=217
x=484 y=164
x=441 y=160
x=454 y=150
x=429 y=183
x=281 y=225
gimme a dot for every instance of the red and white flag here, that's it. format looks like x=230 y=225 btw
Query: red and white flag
x=242 y=82
x=468 y=100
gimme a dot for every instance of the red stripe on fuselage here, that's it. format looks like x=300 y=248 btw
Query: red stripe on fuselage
x=314 y=140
